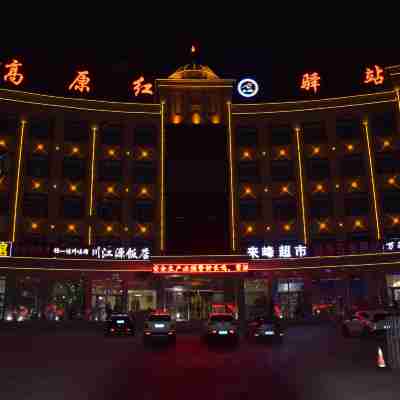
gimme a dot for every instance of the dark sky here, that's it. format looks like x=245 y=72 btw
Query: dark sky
x=278 y=69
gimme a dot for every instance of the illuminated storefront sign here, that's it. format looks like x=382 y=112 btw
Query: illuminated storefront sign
x=281 y=251
x=5 y=249
x=81 y=82
x=199 y=268
x=311 y=81
x=375 y=76
x=139 y=87
x=111 y=253
x=393 y=245
x=13 y=75
x=248 y=87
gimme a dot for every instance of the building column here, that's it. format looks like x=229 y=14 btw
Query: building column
x=10 y=297
x=87 y=304
x=161 y=293
x=241 y=304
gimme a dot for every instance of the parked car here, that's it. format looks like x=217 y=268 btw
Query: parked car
x=265 y=328
x=222 y=327
x=120 y=325
x=159 y=326
x=365 y=323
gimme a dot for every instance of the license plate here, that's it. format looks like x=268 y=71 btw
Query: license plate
x=268 y=332
x=120 y=321
x=159 y=325
x=223 y=332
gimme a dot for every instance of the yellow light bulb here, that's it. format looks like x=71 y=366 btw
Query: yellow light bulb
x=36 y=185
x=71 y=227
x=249 y=229
x=34 y=225
x=396 y=220
x=144 y=153
x=111 y=152
x=40 y=147
x=286 y=227
x=109 y=228
x=282 y=152
x=75 y=150
x=316 y=150
x=354 y=184
x=350 y=147
x=2 y=143
x=357 y=223
x=73 y=188
x=110 y=189
x=320 y=187
x=391 y=181
x=322 y=225
x=143 y=229
x=386 y=143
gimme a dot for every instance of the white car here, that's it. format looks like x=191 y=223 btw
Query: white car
x=364 y=323
x=222 y=326
x=159 y=325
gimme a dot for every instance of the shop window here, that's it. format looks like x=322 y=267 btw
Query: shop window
x=72 y=207
x=321 y=207
x=145 y=136
x=357 y=205
x=111 y=135
x=35 y=205
x=314 y=133
x=110 y=170
x=143 y=212
x=352 y=166
x=282 y=170
x=74 y=169
x=40 y=129
x=318 y=170
x=348 y=129
x=383 y=124
x=246 y=137
x=76 y=131
x=248 y=172
x=281 y=135
x=144 y=172
x=249 y=210
x=109 y=210
x=37 y=167
x=285 y=210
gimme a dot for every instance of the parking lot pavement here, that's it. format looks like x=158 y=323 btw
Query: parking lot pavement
x=314 y=362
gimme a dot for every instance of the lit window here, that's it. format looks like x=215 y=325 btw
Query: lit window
x=176 y=119
x=215 y=119
x=196 y=119
x=127 y=190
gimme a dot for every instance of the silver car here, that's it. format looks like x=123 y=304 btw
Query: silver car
x=159 y=326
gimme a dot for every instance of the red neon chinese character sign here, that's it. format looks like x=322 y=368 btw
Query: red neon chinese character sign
x=375 y=76
x=13 y=75
x=310 y=81
x=81 y=82
x=199 y=268
x=140 y=87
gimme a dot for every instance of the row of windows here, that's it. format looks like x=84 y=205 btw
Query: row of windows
x=107 y=170
x=315 y=132
x=319 y=207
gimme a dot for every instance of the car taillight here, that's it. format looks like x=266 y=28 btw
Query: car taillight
x=214 y=331
x=231 y=331
x=112 y=330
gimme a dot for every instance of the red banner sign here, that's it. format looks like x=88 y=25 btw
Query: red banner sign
x=199 y=268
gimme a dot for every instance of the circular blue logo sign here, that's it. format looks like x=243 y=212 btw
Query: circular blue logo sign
x=247 y=87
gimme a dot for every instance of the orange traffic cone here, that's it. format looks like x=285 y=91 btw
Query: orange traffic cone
x=380 y=363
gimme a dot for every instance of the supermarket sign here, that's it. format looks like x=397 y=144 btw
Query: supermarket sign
x=200 y=268
x=280 y=251
x=5 y=249
x=104 y=253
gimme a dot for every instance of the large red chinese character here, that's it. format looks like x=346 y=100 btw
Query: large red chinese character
x=140 y=87
x=13 y=75
x=374 y=76
x=81 y=82
x=310 y=81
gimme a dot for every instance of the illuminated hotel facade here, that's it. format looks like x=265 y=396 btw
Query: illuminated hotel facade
x=208 y=202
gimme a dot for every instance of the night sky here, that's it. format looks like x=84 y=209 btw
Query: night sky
x=113 y=65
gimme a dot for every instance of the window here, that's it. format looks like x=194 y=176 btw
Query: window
x=74 y=168
x=40 y=129
x=144 y=172
x=4 y=204
x=387 y=164
x=111 y=134
x=247 y=137
x=110 y=170
x=321 y=207
x=143 y=212
x=314 y=133
x=38 y=167
x=76 y=131
x=8 y=125
x=357 y=205
x=249 y=210
x=285 y=210
x=391 y=203
x=248 y=172
x=109 y=210
x=35 y=205
x=281 y=135
x=318 y=169
x=348 y=129
x=282 y=170
x=145 y=136
x=383 y=124
x=72 y=207
x=352 y=166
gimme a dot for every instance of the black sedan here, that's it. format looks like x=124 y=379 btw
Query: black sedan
x=120 y=325
x=265 y=328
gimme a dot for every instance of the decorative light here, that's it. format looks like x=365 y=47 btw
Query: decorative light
x=322 y=226
x=215 y=119
x=52 y=226
x=72 y=188
x=196 y=119
x=285 y=189
x=358 y=223
x=143 y=229
x=247 y=87
x=34 y=225
x=40 y=147
x=350 y=147
x=282 y=152
x=286 y=227
x=264 y=153
x=36 y=185
x=81 y=82
x=246 y=154
x=75 y=150
x=54 y=186
x=2 y=143
x=375 y=76
x=176 y=119
x=111 y=152
x=145 y=153
x=268 y=228
x=127 y=190
x=337 y=186
x=391 y=181
x=316 y=150
x=396 y=220
x=354 y=184
x=266 y=189
x=57 y=148
x=71 y=227
x=109 y=228
x=249 y=229
x=247 y=190
x=333 y=148
x=126 y=229
x=310 y=81
x=319 y=187
x=110 y=189
x=128 y=153
x=341 y=224
x=144 y=191
x=386 y=143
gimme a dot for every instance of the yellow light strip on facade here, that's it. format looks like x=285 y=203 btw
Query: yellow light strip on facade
x=398 y=97
x=92 y=168
x=371 y=170
x=17 y=182
x=162 y=184
x=232 y=188
x=303 y=211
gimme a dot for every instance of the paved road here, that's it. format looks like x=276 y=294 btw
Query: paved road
x=315 y=362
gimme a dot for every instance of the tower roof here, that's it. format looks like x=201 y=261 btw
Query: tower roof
x=193 y=71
